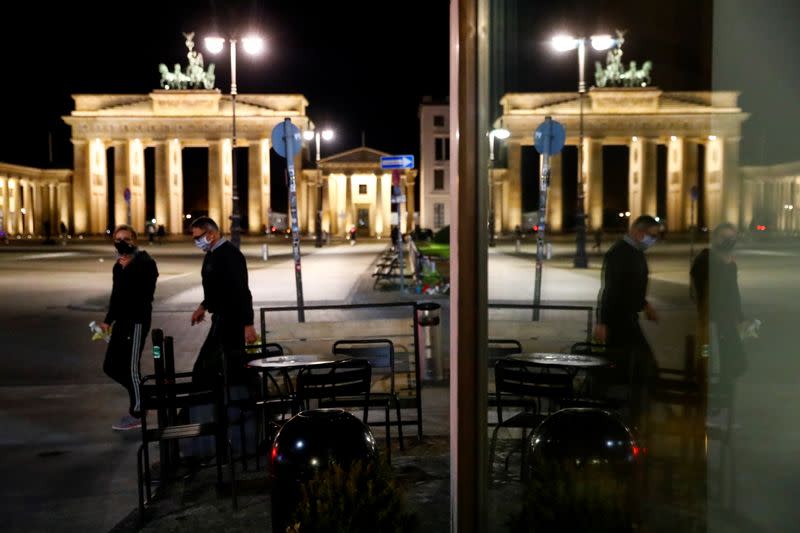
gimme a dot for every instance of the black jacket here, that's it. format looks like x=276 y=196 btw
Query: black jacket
x=225 y=288
x=624 y=284
x=716 y=287
x=133 y=289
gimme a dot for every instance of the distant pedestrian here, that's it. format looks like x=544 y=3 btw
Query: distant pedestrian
x=352 y=235
x=162 y=231
x=226 y=295
x=151 y=232
x=62 y=229
x=623 y=294
x=129 y=312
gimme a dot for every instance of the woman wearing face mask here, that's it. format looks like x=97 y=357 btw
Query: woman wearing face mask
x=129 y=310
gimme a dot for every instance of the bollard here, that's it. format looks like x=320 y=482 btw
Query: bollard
x=549 y=249
x=430 y=355
x=307 y=443
x=264 y=252
x=516 y=248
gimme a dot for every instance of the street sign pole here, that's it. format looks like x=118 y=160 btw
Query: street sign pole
x=286 y=140
x=694 y=192
x=549 y=139
x=395 y=163
x=127 y=196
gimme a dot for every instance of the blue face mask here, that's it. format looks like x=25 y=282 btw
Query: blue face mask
x=203 y=243
x=647 y=242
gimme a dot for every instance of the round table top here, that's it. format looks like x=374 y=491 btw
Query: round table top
x=295 y=360
x=560 y=359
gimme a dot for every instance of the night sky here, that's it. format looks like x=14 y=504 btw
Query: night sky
x=365 y=66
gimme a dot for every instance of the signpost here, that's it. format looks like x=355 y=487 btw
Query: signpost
x=548 y=139
x=694 y=192
x=286 y=139
x=399 y=199
x=392 y=162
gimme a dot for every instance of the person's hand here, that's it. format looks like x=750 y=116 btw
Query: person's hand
x=650 y=312
x=600 y=333
x=198 y=315
x=104 y=326
x=250 y=335
x=125 y=260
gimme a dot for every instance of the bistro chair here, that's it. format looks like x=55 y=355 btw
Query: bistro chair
x=380 y=355
x=532 y=387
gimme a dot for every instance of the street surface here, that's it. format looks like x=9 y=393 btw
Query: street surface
x=65 y=470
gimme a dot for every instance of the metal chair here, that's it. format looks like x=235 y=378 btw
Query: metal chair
x=165 y=398
x=380 y=355
x=534 y=388
x=345 y=384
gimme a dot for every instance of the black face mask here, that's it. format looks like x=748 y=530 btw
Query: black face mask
x=725 y=245
x=124 y=248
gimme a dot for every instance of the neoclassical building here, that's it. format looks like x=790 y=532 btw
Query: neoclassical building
x=640 y=119
x=31 y=198
x=355 y=191
x=771 y=196
x=170 y=120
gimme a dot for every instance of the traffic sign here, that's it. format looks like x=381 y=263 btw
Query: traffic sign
x=694 y=192
x=127 y=195
x=283 y=132
x=397 y=161
x=399 y=199
x=549 y=137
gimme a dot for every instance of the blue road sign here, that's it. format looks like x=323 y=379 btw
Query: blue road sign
x=549 y=137
x=127 y=195
x=283 y=132
x=397 y=161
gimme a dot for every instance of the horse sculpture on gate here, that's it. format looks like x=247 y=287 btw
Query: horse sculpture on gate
x=614 y=74
x=195 y=77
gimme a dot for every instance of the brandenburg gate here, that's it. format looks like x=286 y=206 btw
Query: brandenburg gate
x=170 y=120
x=641 y=119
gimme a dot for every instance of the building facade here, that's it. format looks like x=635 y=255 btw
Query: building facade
x=771 y=197
x=434 y=167
x=33 y=200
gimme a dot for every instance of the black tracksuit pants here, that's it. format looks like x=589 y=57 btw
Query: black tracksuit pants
x=123 y=357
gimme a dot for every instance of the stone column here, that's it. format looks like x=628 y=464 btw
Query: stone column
x=80 y=187
x=681 y=175
x=333 y=204
x=410 y=203
x=39 y=213
x=220 y=183
x=52 y=208
x=642 y=178
x=731 y=181
x=259 y=182
x=169 y=185
x=129 y=170
x=4 y=204
x=593 y=182
x=348 y=203
x=555 y=203
x=27 y=215
x=750 y=195
x=379 y=219
x=512 y=194
x=66 y=211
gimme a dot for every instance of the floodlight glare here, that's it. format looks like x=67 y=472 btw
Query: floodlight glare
x=563 y=43
x=327 y=135
x=602 y=42
x=214 y=44
x=253 y=45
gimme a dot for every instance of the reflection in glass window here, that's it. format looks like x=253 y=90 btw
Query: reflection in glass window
x=442 y=152
x=438 y=215
x=438 y=179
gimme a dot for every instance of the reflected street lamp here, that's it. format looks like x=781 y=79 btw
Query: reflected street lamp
x=565 y=43
x=252 y=45
x=315 y=135
x=502 y=134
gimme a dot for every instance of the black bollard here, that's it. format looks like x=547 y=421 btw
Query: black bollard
x=308 y=443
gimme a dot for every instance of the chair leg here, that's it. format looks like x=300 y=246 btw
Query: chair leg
x=492 y=447
x=399 y=425
x=234 y=497
x=139 y=482
x=241 y=439
x=146 y=470
x=388 y=435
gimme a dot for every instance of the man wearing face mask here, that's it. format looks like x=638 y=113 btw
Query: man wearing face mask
x=129 y=310
x=715 y=289
x=623 y=295
x=226 y=295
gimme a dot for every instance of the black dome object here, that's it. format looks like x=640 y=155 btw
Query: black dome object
x=318 y=438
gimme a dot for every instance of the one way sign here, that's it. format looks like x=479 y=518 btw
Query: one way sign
x=397 y=161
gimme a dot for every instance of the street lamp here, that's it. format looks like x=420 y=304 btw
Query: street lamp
x=252 y=45
x=565 y=43
x=315 y=135
x=502 y=134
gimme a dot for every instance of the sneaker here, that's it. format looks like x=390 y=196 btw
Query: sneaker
x=126 y=423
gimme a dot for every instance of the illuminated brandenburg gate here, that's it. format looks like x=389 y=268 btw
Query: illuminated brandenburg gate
x=640 y=119
x=170 y=120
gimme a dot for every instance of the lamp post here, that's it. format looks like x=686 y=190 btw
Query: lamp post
x=315 y=135
x=502 y=134
x=252 y=45
x=565 y=43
